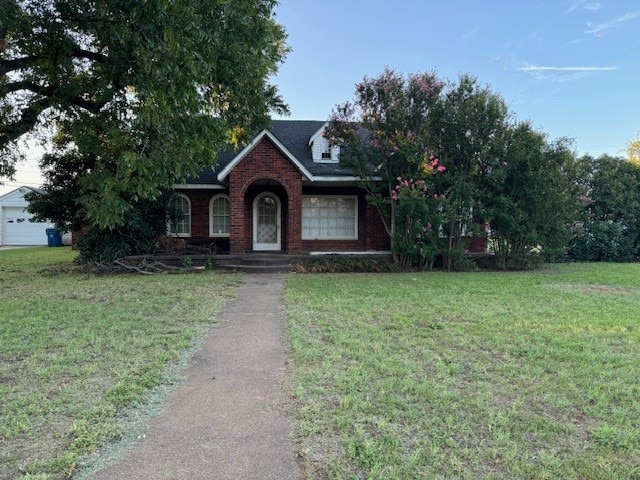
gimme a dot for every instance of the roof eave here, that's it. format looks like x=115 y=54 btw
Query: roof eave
x=318 y=133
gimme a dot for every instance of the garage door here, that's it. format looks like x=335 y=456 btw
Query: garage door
x=18 y=228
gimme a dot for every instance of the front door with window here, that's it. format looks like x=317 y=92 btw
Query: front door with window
x=266 y=222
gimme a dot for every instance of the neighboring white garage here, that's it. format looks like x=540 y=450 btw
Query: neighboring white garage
x=17 y=226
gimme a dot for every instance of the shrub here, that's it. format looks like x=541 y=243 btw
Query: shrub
x=347 y=264
x=602 y=241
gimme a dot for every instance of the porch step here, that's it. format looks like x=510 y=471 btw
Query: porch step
x=259 y=262
x=257 y=268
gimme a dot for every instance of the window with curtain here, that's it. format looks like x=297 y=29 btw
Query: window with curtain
x=181 y=226
x=219 y=216
x=329 y=217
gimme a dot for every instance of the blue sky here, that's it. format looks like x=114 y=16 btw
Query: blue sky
x=571 y=67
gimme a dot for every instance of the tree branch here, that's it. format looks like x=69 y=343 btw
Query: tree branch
x=95 y=56
x=7 y=66
x=27 y=121
x=53 y=93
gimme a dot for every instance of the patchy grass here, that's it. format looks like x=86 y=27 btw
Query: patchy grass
x=476 y=375
x=78 y=350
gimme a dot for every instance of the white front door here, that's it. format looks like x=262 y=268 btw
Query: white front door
x=266 y=222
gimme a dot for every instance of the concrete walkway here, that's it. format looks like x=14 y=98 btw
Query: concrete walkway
x=227 y=420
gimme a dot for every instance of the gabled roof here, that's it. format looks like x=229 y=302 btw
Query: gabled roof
x=20 y=191
x=293 y=139
x=265 y=133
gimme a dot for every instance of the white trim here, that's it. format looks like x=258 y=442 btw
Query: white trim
x=318 y=133
x=199 y=186
x=355 y=219
x=267 y=246
x=265 y=133
x=181 y=235
x=211 y=232
x=338 y=179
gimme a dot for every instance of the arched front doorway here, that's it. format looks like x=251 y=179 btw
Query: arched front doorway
x=267 y=215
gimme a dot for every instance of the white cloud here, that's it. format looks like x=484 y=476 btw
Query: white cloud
x=599 y=29
x=471 y=33
x=562 y=74
x=593 y=6
x=535 y=68
x=574 y=5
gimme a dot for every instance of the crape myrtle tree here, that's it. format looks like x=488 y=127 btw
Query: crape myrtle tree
x=442 y=160
x=468 y=126
x=386 y=140
x=397 y=133
x=131 y=97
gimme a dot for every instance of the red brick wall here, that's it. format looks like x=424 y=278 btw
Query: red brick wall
x=265 y=168
x=264 y=163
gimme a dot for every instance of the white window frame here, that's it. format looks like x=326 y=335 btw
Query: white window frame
x=186 y=234
x=213 y=199
x=355 y=219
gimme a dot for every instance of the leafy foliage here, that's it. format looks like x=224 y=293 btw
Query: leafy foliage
x=603 y=241
x=468 y=126
x=611 y=226
x=385 y=135
x=633 y=150
x=529 y=198
x=145 y=221
x=400 y=130
x=133 y=97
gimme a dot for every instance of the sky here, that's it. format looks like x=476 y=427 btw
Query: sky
x=570 y=67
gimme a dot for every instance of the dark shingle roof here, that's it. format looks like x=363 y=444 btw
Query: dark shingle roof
x=294 y=135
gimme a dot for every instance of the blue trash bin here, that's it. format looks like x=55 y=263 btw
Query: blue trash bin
x=54 y=237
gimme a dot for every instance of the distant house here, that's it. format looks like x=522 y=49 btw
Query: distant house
x=283 y=192
x=17 y=226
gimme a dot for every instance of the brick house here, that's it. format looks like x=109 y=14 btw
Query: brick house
x=284 y=192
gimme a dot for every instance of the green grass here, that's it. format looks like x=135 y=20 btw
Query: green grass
x=77 y=351
x=481 y=375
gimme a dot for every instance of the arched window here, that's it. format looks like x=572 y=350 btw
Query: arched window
x=219 y=216
x=180 y=225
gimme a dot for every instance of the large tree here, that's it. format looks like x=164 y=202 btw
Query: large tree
x=386 y=140
x=400 y=130
x=529 y=197
x=468 y=125
x=132 y=96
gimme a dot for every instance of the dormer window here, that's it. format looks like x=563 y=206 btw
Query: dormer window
x=326 y=152
x=322 y=150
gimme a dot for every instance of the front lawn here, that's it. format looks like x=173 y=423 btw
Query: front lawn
x=78 y=351
x=476 y=375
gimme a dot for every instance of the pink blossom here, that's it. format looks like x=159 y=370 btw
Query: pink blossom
x=441 y=168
